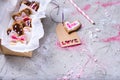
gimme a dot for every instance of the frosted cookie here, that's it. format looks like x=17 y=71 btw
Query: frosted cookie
x=18 y=28
x=16 y=17
x=34 y=5
x=26 y=12
x=20 y=15
x=71 y=27
x=27 y=29
x=9 y=31
x=15 y=39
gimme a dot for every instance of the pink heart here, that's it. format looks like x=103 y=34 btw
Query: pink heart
x=72 y=25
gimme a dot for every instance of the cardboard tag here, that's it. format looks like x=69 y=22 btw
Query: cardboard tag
x=65 y=38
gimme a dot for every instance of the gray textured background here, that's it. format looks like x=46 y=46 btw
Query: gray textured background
x=93 y=60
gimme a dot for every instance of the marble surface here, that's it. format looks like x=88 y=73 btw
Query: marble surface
x=97 y=58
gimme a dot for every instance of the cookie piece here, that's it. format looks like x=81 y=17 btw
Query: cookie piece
x=27 y=22
x=18 y=28
x=26 y=12
x=34 y=5
x=26 y=2
x=16 y=17
x=20 y=15
x=9 y=31
x=71 y=27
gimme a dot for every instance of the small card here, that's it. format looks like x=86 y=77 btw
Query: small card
x=65 y=38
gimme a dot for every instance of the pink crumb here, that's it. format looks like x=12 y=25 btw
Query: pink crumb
x=86 y=7
x=114 y=38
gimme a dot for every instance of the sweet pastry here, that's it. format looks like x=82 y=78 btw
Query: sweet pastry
x=20 y=15
x=34 y=5
x=18 y=28
x=27 y=22
x=26 y=12
x=16 y=17
x=71 y=27
x=9 y=31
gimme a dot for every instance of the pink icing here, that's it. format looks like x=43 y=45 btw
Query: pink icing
x=72 y=25
x=16 y=38
x=108 y=3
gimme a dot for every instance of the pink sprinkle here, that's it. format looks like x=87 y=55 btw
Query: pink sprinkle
x=108 y=3
x=13 y=37
x=114 y=38
x=86 y=7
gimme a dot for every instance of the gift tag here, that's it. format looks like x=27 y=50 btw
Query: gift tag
x=65 y=38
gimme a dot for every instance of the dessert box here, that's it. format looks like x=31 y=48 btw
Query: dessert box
x=24 y=30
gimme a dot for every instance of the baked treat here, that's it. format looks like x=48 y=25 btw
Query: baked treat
x=20 y=15
x=26 y=2
x=26 y=12
x=16 y=17
x=9 y=31
x=34 y=5
x=18 y=28
x=71 y=27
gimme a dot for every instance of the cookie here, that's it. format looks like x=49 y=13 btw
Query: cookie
x=26 y=2
x=34 y=5
x=71 y=27
x=20 y=15
x=27 y=22
x=26 y=12
x=9 y=31
x=18 y=28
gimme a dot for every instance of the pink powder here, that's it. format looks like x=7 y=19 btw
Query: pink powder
x=86 y=7
x=71 y=73
x=108 y=3
x=114 y=38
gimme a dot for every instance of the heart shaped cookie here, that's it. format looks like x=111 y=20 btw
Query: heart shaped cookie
x=71 y=27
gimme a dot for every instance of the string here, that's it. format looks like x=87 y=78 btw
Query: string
x=58 y=6
x=82 y=12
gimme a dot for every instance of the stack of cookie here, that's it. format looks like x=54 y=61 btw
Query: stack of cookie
x=25 y=29
x=21 y=27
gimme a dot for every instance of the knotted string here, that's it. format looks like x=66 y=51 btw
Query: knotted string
x=58 y=6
